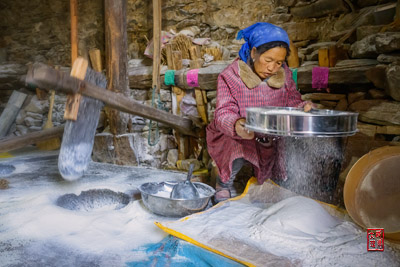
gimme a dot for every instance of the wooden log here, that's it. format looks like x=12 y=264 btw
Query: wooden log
x=140 y=77
x=10 y=112
x=392 y=130
x=339 y=78
x=329 y=104
x=48 y=78
x=12 y=143
x=207 y=77
x=322 y=96
x=116 y=59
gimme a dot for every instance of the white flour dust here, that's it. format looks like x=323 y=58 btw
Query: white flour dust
x=74 y=159
x=33 y=225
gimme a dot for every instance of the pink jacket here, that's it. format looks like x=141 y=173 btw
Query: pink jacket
x=233 y=97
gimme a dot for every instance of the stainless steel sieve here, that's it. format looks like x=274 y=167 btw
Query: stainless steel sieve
x=286 y=121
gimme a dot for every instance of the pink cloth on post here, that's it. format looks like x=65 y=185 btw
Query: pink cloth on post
x=192 y=78
x=320 y=77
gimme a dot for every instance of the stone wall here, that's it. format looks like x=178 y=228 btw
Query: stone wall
x=39 y=30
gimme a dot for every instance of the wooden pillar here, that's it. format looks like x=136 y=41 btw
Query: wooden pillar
x=174 y=61
x=197 y=63
x=116 y=59
x=74 y=29
x=323 y=57
x=293 y=59
x=156 y=44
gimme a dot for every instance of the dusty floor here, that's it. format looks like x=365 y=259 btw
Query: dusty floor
x=107 y=231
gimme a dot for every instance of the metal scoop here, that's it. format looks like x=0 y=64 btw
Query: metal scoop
x=185 y=190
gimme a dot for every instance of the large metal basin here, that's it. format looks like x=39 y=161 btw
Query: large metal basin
x=286 y=121
x=156 y=197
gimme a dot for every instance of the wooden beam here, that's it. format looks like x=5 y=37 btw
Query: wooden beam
x=11 y=111
x=48 y=78
x=339 y=77
x=12 y=143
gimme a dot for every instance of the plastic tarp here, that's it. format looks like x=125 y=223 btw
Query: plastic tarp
x=262 y=227
x=172 y=251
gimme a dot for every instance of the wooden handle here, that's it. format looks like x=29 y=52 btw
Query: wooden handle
x=50 y=114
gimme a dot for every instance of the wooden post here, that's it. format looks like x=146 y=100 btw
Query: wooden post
x=156 y=44
x=72 y=104
x=178 y=93
x=95 y=59
x=323 y=57
x=197 y=63
x=332 y=54
x=293 y=59
x=174 y=61
x=74 y=29
x=116 y=59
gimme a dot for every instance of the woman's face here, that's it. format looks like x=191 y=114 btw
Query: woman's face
x=268 y=63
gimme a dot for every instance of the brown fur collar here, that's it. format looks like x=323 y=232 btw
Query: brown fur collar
x=252 y=80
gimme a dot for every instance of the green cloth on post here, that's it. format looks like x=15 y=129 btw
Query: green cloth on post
x=294 y=76
x=169 y=77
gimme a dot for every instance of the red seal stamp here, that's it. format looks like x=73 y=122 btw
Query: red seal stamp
x=375 y=239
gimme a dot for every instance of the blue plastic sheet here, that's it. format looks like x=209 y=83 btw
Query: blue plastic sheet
x=172 y=251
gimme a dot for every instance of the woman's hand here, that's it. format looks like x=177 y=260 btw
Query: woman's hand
x=242 y=131
x=308 y=106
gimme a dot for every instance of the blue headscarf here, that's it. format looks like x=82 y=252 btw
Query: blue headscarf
x=259 y=34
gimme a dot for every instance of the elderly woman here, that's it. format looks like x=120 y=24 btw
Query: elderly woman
x=259 y=77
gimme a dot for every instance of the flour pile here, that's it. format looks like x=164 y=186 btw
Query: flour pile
x=296 y=230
